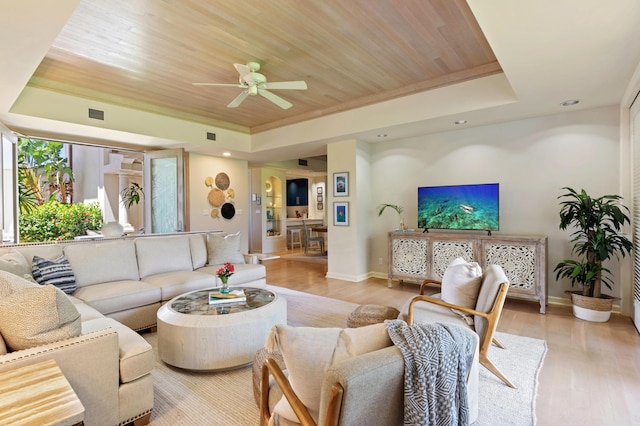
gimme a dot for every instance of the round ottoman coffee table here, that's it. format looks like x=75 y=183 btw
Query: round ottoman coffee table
x=194 y=335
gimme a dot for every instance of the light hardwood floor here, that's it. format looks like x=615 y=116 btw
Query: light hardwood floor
x=591 y=373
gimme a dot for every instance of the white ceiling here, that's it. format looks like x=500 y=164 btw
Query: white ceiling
x=549 y=50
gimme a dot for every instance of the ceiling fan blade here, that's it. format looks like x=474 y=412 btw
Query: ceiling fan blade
x=275 y=99
x=238 y=100
x=293 y=85
x=245 y=73
x=218 y=84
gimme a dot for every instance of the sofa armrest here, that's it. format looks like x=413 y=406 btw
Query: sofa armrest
x=90 y=363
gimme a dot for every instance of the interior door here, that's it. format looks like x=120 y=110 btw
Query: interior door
x=164 y=187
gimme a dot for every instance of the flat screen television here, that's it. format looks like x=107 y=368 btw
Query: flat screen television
x=468 y=207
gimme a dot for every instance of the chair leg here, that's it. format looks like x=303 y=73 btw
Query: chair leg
x=486 y=362
x=498 y=343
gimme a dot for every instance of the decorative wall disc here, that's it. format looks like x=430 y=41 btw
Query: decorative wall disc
x=216 y=197
x=231 y=193
x=222 y=181
x=215 y=213
x=268 y=186
x=208 y=181
x=228 y=210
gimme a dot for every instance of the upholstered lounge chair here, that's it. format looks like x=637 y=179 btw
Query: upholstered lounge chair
x=488 y=308
x=366 y=389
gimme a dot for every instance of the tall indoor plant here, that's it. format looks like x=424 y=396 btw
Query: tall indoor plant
x=596 y=238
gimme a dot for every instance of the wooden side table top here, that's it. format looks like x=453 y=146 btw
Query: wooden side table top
x=38 y=394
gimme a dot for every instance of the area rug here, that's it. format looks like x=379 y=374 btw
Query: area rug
x=226 y=398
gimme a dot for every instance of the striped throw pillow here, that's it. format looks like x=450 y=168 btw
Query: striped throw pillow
x=56 y=272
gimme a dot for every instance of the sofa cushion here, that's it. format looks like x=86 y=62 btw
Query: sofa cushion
x=15 y=263
x=103 y=262
x=173 y=284
x=309 y=351
x=86 y=311
x=56 y=272
x=198 y=246
x=3 y=346
x=118 y=296
x=244 y=273
x=224 y=248
x=157 y=255
x=461 y=284
x=47 y=251
x=32 y=315
x=137 y=358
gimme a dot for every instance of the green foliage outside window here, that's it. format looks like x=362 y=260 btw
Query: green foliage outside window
x=55 y=221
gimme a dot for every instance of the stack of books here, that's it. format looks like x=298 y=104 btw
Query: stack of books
x=235 y=296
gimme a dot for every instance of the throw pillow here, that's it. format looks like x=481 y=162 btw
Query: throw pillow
x=309 y=351
x=15 y=263
x=461 y=284
x=56 y=272
x=33 y=315
x=224 y=248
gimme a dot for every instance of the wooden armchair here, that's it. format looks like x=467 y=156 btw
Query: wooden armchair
x=367 y=389
x=493 y=292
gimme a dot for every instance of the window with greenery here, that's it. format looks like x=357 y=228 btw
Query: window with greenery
x=45 y=195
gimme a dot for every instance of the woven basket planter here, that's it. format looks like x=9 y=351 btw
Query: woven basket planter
x=596 y=309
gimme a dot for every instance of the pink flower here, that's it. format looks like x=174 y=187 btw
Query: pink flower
x=225 y=271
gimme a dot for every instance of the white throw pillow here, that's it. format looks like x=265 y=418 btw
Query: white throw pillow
x=224 y=248
x=309 y=351
x=15 y=263
x=461 y=284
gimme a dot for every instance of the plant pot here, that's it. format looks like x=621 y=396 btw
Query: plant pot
x=594 y=309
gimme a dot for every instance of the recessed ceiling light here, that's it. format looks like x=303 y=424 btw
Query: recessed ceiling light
x=570 y=102
x=382 y=135
x=226 y=154
x=460 y=122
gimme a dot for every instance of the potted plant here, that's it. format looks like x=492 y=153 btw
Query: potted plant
x=597 y=237
x=397 y=208
x=132 y=194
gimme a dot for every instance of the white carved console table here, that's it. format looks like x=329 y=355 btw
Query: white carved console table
x=416 y=256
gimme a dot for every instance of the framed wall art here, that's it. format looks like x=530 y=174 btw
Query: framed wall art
x=341 y=184
x=341 y=214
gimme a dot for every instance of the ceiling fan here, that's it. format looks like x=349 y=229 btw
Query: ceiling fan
x=255 y=83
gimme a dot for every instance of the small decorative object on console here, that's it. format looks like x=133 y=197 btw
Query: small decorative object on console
x=224 y=273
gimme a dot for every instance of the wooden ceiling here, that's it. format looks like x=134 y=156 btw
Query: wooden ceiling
x=146 y=54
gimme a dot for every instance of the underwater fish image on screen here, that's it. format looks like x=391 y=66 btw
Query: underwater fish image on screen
x=459 y=207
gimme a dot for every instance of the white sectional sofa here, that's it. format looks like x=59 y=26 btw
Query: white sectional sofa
x=121 y=283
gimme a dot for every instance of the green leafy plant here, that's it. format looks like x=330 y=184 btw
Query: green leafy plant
x=597 y=238
x=55 y=221
x=398 y=208
x=132 y=194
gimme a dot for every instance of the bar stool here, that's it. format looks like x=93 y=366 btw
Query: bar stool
x=295 y=237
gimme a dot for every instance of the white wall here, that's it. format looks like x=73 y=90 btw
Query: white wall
x=531 y=159
x=201 y=167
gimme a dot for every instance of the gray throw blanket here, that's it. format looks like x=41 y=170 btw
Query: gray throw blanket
x=437 y=360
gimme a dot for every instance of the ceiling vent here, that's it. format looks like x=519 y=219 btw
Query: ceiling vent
x=211 y=136
x=302 y=162
x=96 y=114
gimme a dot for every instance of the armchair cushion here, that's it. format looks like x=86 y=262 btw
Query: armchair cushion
x=461 y=284
x=493 y=276
x=308 y=352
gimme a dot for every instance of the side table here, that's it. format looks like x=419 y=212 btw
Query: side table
x=38 y=394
